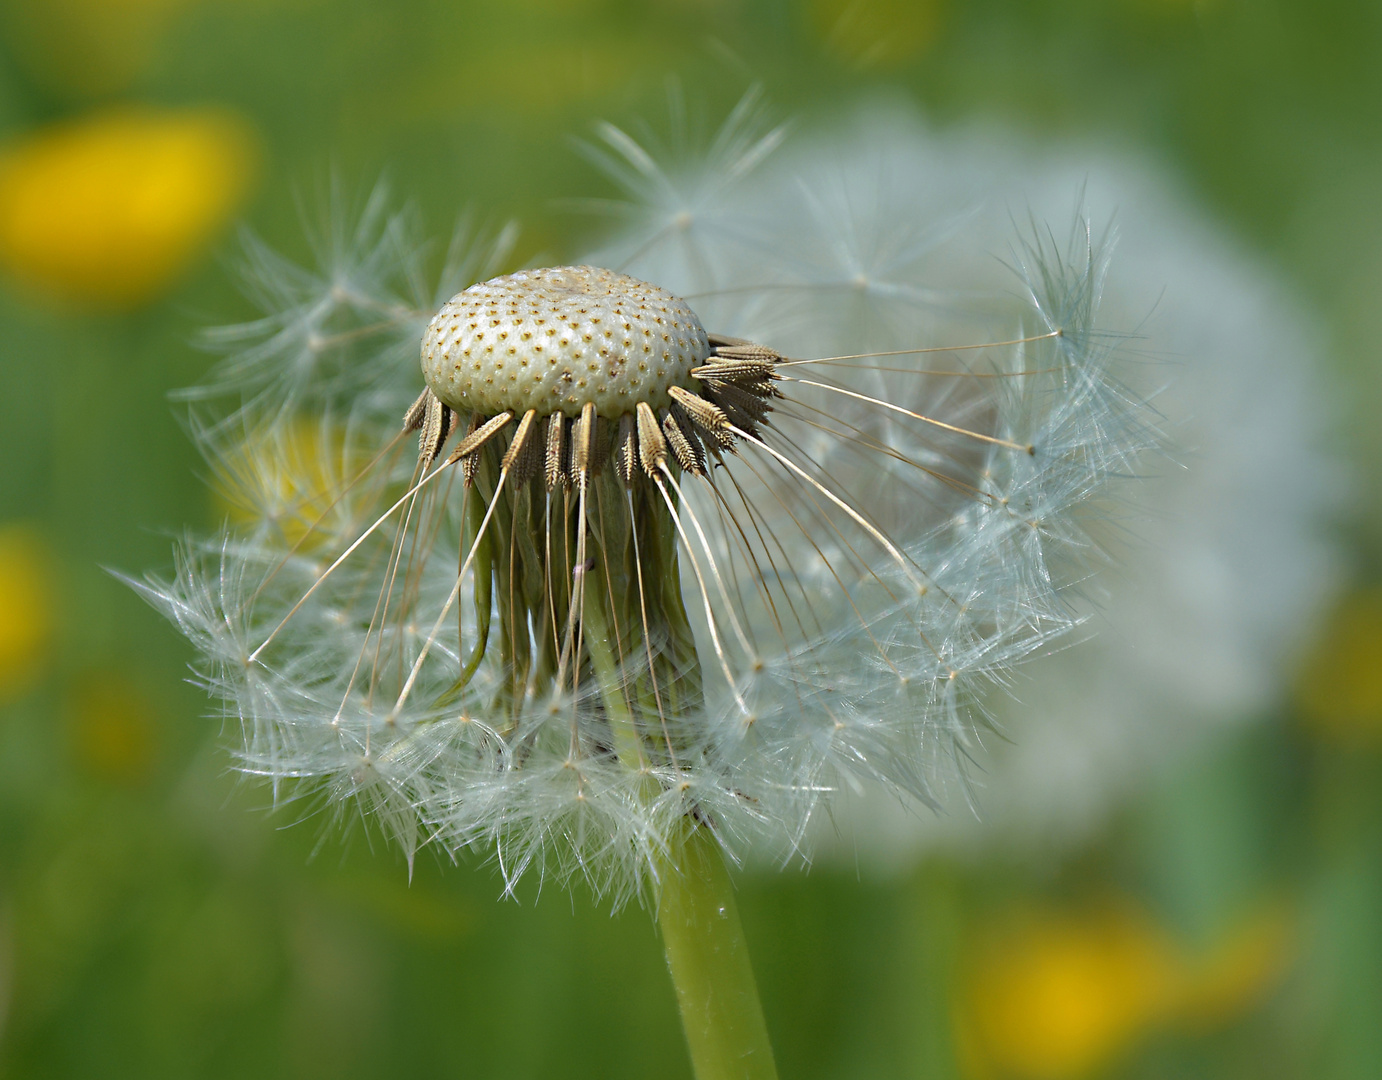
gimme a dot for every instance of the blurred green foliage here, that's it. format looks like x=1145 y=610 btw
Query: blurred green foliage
x=154 y=922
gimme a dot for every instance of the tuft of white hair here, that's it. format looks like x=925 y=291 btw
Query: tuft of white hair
x=1217 y=577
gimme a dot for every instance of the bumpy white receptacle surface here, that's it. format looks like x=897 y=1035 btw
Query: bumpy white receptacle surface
x=554 y=339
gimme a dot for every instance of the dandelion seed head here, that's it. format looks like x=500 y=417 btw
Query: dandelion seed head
x=771 y=566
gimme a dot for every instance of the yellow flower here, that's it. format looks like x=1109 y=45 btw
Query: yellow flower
x=1062 y=994
x=1339 y=693
x=26 y=608
x=109 y=209
x=295 y=478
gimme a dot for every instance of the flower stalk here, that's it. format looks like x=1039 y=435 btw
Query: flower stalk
x=709 y=962
x=707 y=955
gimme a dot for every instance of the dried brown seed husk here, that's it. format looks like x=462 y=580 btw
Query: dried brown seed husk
x=555 y=449
x=652 y=447
x=707 y=416
x=685 y=446
x=626 y=449
x=478 y=436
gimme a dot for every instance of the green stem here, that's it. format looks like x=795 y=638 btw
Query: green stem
x=595 y=630
x=701 y=934
x=709 y=961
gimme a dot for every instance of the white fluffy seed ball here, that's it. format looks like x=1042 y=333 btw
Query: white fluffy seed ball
x=557 y=338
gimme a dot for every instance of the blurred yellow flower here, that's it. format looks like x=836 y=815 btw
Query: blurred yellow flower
x=877 y=33
x=110 y=208
x=1059 y=995
x=112 y=729
x=26 y=608
x=1339 y=692
x=290 y=477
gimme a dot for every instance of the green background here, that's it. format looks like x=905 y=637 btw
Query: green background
x=160 y=922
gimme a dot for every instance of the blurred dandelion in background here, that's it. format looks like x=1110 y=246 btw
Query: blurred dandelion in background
x=879 y=227
x=651 y=584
